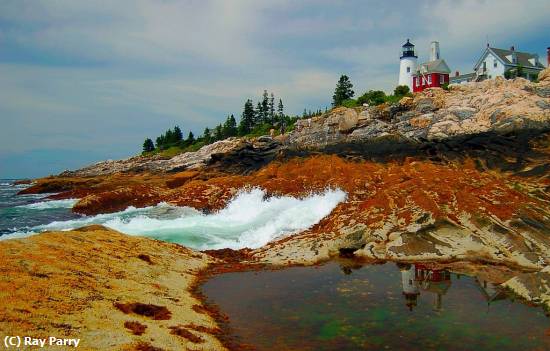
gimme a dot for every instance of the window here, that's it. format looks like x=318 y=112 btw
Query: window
x=417 y=81
x=408 y=70
x=495 y=63
x=441 y=79
x=430 y=79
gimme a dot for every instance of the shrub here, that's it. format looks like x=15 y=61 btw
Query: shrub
x=349 y=103
x=401 y=90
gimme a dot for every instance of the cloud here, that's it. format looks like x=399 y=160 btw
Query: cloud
x=100 y=76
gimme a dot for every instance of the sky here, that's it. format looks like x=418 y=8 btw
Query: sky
x=84 y=81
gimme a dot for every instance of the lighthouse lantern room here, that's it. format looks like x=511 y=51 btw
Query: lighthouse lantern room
x=408 y=65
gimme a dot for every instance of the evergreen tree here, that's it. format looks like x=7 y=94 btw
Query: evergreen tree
x=280 y=111
x=178 y=136
x=271 y=109
x=168 y=137
x=218 y=132
x=343 y=91
x=280 y=108
x=304 y=114
x=258 y=114
x=190 y=138
x=247 y=118
x=206 y=136
x=148 y=145
x=265 y=108
x=230 y=127
x=160 y=142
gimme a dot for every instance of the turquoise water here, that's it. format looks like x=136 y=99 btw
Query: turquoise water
x=376 y=307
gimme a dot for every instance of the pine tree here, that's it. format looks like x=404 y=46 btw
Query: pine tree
x=230 y=127
x=247 y=118
x=280 y=111
x=190 y=138
x=271 y=109
x=178 y=136
x=343 y=91
x=160 y=141
x=304 y=114
x=265 y=108
x=206 y=136
x=169 y=137
x=218 y=132
x=148 y=145
x=258 y=114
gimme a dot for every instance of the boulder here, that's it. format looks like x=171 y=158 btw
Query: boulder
x=348 y=121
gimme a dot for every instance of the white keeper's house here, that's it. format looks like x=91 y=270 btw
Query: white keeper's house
x=496 y=62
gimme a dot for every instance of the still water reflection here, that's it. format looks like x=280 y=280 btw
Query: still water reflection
x=345 y=306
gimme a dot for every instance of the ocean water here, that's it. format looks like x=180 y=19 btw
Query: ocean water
x=251 y=219
x=22 y=213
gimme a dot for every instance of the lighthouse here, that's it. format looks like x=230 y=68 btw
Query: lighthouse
x=408 y=65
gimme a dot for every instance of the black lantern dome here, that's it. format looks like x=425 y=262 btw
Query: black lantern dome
x=408 y=50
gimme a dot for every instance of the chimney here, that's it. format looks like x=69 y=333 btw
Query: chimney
x=457 y=73
x=548 y=56
x=434 y=51
x=512 y=48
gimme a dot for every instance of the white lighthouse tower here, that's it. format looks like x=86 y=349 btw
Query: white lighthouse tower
x=408 y=65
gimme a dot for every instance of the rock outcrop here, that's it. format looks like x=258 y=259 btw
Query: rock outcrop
x=111 y=291
x=251 y=154
x=497 y=105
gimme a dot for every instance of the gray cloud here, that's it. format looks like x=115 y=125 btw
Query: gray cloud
x=92 y=79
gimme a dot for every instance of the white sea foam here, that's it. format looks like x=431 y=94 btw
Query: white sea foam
x=51 y=204
x=250 y=220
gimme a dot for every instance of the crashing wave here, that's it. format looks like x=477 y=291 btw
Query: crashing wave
x=251 y=219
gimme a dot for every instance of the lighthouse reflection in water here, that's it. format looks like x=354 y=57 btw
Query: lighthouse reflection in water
x=347 y=304
x=419 y=278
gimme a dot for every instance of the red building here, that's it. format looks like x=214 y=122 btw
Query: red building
x=433 y=74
